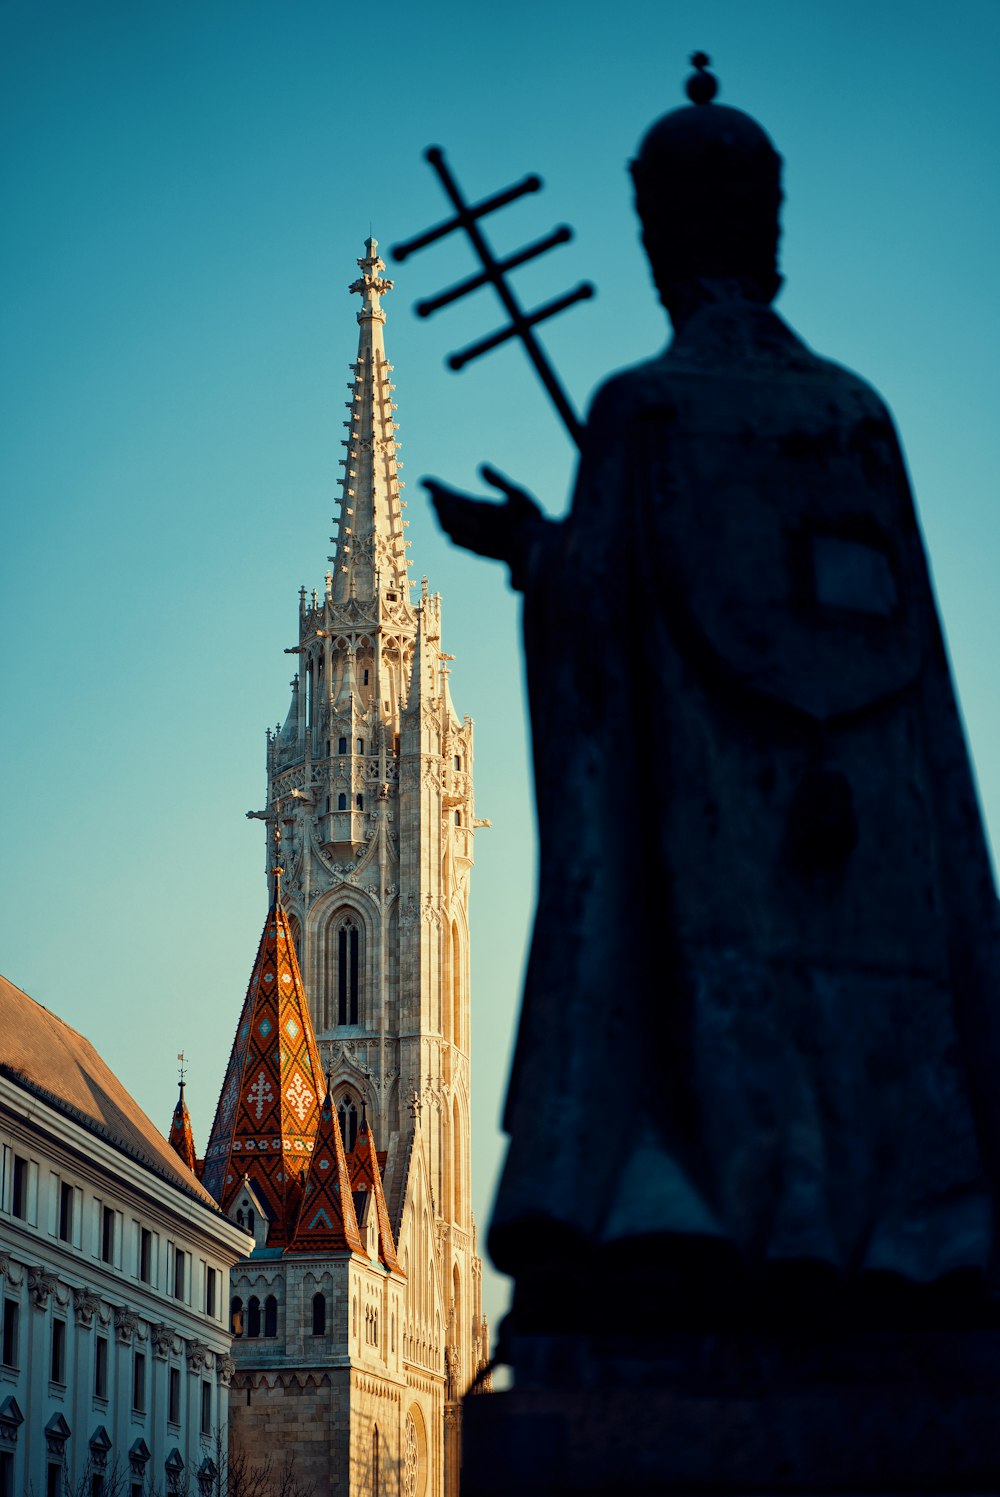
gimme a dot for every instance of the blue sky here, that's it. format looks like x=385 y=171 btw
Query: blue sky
x=186 y=190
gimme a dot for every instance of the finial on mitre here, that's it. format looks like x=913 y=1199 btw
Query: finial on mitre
x=702 y=86
x=181 y=1068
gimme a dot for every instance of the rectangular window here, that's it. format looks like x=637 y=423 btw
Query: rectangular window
x=135 y=1490
x=57 y=1364
x=101 y=1367
x=6 y=1473
x=107 y=1234
x=11 y=1326
x=210 y=1292
x=178 y=1273
x=19 y=1188
x=138 y=1382
x=65 y=1211
x=97 y=1484
x=145 y=1255
x=53 y=1479
x=174 y=1396
x=206 y=1408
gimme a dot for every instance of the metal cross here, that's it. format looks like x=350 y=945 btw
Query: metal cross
x=467 y=216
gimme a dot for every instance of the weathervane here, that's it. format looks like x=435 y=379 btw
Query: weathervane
x=494 y=271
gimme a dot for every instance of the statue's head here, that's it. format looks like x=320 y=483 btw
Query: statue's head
x=708 y=191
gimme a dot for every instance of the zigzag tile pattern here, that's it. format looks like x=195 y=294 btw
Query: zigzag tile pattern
x=268 y=1111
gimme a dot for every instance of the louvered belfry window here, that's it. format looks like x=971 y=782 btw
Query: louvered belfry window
x=348 y=973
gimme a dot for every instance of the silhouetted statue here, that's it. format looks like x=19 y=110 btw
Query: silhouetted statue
x=758 y=1052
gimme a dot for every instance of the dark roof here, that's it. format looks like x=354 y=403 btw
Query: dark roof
x=46 y=1057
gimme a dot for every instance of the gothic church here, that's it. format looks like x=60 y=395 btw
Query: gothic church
x=341 y=1139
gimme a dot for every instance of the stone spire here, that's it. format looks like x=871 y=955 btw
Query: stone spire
x=181 y=1137
x=268 y=1110
x=327 y=1222
x=371 y=551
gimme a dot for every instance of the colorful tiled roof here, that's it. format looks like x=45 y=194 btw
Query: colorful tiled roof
x=366 y=1175
x=327 y=1223
x=181 y=1138
x=46 y=1057
x=269 y=1106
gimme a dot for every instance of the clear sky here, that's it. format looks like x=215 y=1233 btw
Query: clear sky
x=186 y=188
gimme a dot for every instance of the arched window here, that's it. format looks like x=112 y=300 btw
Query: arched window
x=342 y=746
x=341 y=802
x=347 y=1113
x=457 y=1301
x=361 y=745
x=458 y=818
x=456 y=987
x=236 y=1315
x=348 y=972
x=319 y=1314
x=456 y=1144
x=359 y=801
x=253 y=1316
x=270 y=1316
x=376 y=1477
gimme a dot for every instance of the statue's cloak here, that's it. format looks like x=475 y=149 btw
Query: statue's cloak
x=761 y=1001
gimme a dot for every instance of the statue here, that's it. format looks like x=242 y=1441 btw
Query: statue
x=758 y=1050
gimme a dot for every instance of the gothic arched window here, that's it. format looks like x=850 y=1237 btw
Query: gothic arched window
x=348 y=973
x=253 y=1316
x=341 y=802
x=236 y=1315
x=319 y=1314
x=359 y=801
x=342 y=746
x=347 y=1114
x=270 y=1316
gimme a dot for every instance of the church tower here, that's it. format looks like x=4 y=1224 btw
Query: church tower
x=369 y=786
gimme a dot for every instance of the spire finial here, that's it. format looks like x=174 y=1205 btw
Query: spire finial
x=181 y=1068
x=702 y=86
x=371 y=285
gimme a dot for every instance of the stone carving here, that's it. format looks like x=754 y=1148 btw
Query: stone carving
x=164 y=1341
x=126 y=1325
x=814 y=1083
x=85 y=1306
x=226 y=1368
x=41 y=1284
x=11 y=1271
x=199 y=1357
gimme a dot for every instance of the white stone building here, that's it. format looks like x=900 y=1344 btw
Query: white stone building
x=114 y=1281
x=370 y=787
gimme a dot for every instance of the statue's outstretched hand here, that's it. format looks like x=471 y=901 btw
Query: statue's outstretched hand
x=504 y=531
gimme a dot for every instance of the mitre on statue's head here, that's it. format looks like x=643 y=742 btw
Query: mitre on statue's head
x=708 y=191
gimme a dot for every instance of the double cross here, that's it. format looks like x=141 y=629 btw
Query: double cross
x=493 y=273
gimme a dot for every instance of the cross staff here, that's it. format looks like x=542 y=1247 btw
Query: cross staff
x=521 y=323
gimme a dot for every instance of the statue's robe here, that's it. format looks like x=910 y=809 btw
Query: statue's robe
x=761 y=1000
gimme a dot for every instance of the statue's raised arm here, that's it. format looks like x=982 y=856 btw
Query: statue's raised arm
x=504 y=532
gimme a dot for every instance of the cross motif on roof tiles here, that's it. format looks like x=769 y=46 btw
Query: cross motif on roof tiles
x=268 y=1109
x=327 y=1223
